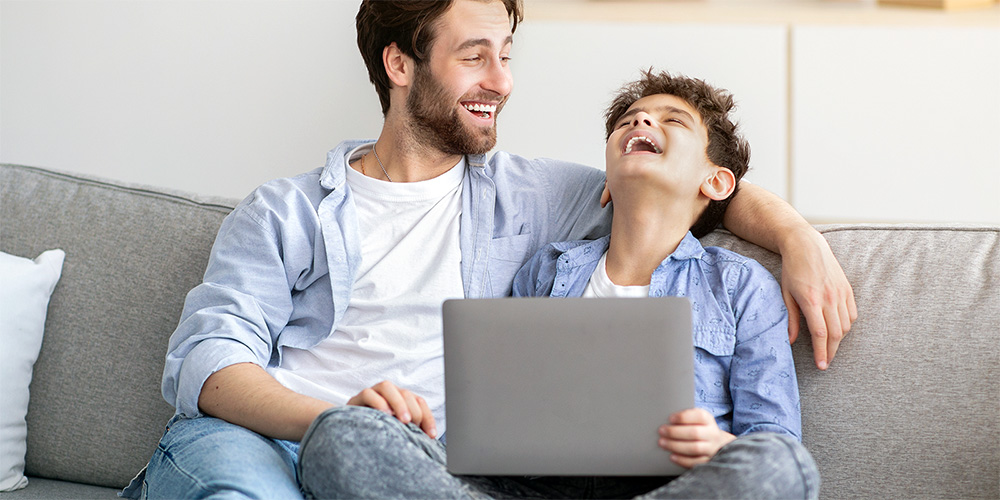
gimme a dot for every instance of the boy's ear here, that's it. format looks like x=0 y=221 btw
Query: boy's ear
x=605 y=195
x=398 y=66
x=720 y=184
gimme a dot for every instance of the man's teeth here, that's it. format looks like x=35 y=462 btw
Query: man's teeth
x=481 y=108
x=635 y=140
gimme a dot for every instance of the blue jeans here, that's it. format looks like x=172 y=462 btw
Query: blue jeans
x=208 y=457
x=352 y=452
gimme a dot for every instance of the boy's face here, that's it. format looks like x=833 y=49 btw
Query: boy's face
x=659 y=143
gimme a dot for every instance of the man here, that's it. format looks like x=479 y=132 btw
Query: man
x=325 y=289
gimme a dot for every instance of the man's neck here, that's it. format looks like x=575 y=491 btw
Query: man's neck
x=642 y=236
x=406 y=159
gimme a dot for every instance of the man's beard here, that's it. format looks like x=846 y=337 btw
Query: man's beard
x=436 y=121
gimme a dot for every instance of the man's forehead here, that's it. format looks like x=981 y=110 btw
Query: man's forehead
x=470 y=23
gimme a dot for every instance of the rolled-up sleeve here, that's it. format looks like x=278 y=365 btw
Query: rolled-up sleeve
x=236 y=314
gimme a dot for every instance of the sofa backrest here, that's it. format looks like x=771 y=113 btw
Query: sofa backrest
x=908 y=409
x=910 y=406
x=132 y=254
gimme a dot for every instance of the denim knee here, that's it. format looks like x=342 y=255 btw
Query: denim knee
x=787 y=457
x=344 y=449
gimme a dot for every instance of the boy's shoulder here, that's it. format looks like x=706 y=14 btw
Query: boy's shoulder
x=726 y=258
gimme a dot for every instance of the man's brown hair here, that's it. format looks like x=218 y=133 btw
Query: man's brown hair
x=726 y=147
x=409 y=23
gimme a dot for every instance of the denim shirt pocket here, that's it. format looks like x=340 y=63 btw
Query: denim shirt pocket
x=713 y=353
x=507 y=255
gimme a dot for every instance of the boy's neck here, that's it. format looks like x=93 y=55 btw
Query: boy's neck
x=642 y=236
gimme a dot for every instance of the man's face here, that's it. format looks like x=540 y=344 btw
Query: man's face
x=456 y=95
x=660 y=142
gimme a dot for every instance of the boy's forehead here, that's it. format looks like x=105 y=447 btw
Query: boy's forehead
x=664 y=103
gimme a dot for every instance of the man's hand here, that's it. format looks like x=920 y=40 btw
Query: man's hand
x=693 y=437
x=401 y=403
x=813 y=283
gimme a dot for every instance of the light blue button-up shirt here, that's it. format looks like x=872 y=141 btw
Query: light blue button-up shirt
x=744 y=372
x=283 y=264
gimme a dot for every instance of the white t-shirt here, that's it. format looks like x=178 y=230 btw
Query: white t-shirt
x=411 y=263
x=600 y=285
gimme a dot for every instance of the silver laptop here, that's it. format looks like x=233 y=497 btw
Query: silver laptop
x=565 y=387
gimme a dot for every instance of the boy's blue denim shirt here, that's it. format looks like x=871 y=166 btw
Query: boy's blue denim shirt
x=744 y=372
x=283 y=264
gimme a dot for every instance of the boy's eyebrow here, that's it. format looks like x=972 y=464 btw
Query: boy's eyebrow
x=667 y=108
x=484 y=42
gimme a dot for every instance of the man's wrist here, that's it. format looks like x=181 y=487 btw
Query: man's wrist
x=799 y=237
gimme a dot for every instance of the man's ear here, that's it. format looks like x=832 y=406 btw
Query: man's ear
x=605 y=195
x=398 y=66
x=720 y=184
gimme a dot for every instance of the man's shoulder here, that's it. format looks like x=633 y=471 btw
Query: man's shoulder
x=283 y=201
x=504 y=164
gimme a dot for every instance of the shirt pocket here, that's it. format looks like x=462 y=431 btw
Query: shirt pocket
x=713 y=354
x=507 y=255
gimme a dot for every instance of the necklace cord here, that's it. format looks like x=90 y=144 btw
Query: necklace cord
x=379 y=162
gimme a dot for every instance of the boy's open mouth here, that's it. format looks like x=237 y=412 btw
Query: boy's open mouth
x=641 y=144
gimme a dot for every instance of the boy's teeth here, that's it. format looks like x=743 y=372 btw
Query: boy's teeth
x=633 y=141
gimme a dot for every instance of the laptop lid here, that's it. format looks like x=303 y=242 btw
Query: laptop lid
x=571 y=386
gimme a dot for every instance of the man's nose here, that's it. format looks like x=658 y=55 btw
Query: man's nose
x=499 y=79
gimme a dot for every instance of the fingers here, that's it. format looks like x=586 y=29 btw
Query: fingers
x=427 y=420
x=692 y=416
x=817 y=327
x=692 y=437
x=793 y=316
x=401 y=403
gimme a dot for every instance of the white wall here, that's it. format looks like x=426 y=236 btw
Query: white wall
x=897 y=123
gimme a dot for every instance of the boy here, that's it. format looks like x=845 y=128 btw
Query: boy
x=674 y=160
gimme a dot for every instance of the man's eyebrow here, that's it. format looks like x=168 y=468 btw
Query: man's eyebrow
x=667 y=108
x=483 y=42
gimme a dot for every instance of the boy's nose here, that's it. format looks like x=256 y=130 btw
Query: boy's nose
x=642 y=118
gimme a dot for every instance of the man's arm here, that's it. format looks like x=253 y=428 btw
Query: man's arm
x=812 y=280
x=246 y=395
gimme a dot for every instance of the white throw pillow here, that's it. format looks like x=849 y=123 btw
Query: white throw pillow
x=25 y=287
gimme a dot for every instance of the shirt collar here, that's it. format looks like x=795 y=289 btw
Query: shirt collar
x=689 y=248
x=334 y=175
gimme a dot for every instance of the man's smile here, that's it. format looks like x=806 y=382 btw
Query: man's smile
x=483 y=110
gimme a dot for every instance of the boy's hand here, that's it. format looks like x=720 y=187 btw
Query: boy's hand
x=693 y=437
x=401 y=403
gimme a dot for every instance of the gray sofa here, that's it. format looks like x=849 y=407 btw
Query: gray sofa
x=909 y=409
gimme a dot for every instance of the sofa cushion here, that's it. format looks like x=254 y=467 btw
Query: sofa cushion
x=96 y=412
x=908 y=408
